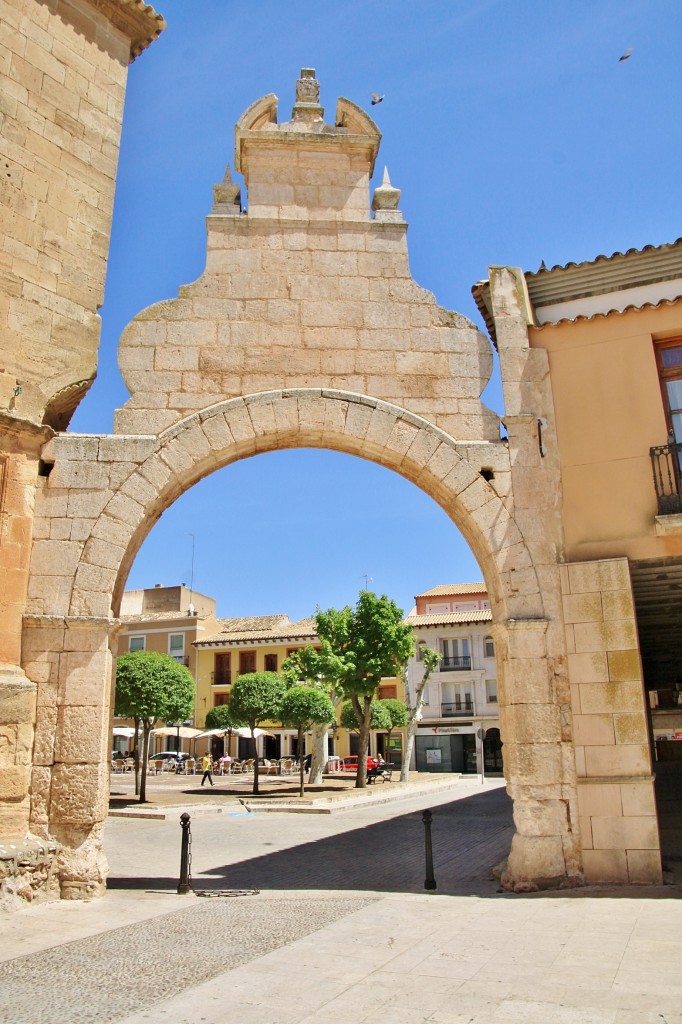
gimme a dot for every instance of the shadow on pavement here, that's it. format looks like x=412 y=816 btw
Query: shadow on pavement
x=469 y=837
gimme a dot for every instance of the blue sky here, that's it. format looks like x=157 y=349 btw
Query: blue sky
x=515 y=135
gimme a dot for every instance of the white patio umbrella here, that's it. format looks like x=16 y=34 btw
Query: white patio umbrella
x=242 y=731
x=124 y=730
x=183 y=731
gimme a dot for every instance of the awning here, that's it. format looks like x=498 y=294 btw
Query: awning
x=183 y=731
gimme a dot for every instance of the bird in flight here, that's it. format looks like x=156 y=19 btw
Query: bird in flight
x=626 y=54
x=376 y=98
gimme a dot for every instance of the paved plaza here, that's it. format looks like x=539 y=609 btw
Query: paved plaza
x=304 y=918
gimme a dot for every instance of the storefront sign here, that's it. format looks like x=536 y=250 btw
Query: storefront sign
x=446 y=730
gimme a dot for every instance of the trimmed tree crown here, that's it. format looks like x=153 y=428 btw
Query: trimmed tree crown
x=257 y=697
x=305 y=706
x=153 y=685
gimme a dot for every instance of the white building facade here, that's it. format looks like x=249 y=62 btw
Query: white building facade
x=460 y=729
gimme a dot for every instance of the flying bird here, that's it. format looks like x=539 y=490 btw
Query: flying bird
x=376 y=98
x=626 y=54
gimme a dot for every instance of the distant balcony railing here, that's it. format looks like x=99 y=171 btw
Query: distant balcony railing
x=666 y=463
x=182 y=659
x=221 y=678
x=452 y=664
x=457 y=709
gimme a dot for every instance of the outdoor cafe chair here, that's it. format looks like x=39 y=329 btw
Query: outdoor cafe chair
x=235 y=767
x=247 y=766
x=271 y=767
x=190 y=766
x=286 y=766
x=120 y=765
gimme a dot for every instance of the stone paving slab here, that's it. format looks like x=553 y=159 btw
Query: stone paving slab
x=466 y=954
x=100 y=979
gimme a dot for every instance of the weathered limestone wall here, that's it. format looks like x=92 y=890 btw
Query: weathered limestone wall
x=71 y=660
x=616 y=797
x=63 y=68
x=535 y=706
x=307 y=290
x=18 y=475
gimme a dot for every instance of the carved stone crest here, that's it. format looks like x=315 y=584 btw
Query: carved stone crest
x=307 y=87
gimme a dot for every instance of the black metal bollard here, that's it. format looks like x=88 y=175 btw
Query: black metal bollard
x=185 y=884
x=429 y=881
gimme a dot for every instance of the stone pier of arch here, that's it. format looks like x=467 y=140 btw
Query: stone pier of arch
x=306 y=329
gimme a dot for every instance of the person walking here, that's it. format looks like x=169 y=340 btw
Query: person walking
x=207 y=767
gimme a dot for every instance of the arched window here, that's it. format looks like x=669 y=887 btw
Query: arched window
x=489 y=647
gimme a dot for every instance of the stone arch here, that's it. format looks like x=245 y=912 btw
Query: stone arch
x=132 y=480
x=314 y=418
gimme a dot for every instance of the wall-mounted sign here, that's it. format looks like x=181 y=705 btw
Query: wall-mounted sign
x=446 y=730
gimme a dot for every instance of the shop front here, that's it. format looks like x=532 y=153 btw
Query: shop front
x=447 y=748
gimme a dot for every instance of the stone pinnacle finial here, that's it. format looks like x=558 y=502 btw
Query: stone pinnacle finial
x=227 y=196
x=385 y=200
x=307 y=106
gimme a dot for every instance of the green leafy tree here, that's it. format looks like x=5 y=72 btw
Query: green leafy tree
x=152 y=687
x=302 y=707
x=379 y=717
x=306 y=665
x=257 y=697
x=429 y=660
x=223 y=717
x=397 y=713
x=359 y=647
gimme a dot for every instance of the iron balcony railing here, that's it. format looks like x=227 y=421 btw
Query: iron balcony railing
x=221 y=678
x=455 y=664
x=666 y=462
x=457 y=709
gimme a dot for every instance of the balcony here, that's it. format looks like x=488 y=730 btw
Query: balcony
x=458 y=709
x=666 y=463
x=221 y=678
x=455 y=664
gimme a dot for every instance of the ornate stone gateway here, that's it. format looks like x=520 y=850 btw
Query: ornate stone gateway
x=305 y=330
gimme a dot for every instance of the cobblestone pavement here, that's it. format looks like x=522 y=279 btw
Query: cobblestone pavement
x=341 y=931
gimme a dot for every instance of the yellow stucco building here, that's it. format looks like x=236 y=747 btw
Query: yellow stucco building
x=610 y=331
x=261 y=643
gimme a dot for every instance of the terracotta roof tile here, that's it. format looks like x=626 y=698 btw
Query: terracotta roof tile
x=249 y=629
x=450 y=618
x=443 y=589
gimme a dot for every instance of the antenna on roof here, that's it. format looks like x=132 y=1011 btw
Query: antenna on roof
x=191 y=609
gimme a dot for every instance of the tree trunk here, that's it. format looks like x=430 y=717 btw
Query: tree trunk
x=255 y=759
x=409 y=747
x=146 y=727
x=363 y=713
x=301 y=759
x=136 y=756
x=416 y=713
x=319 y=754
